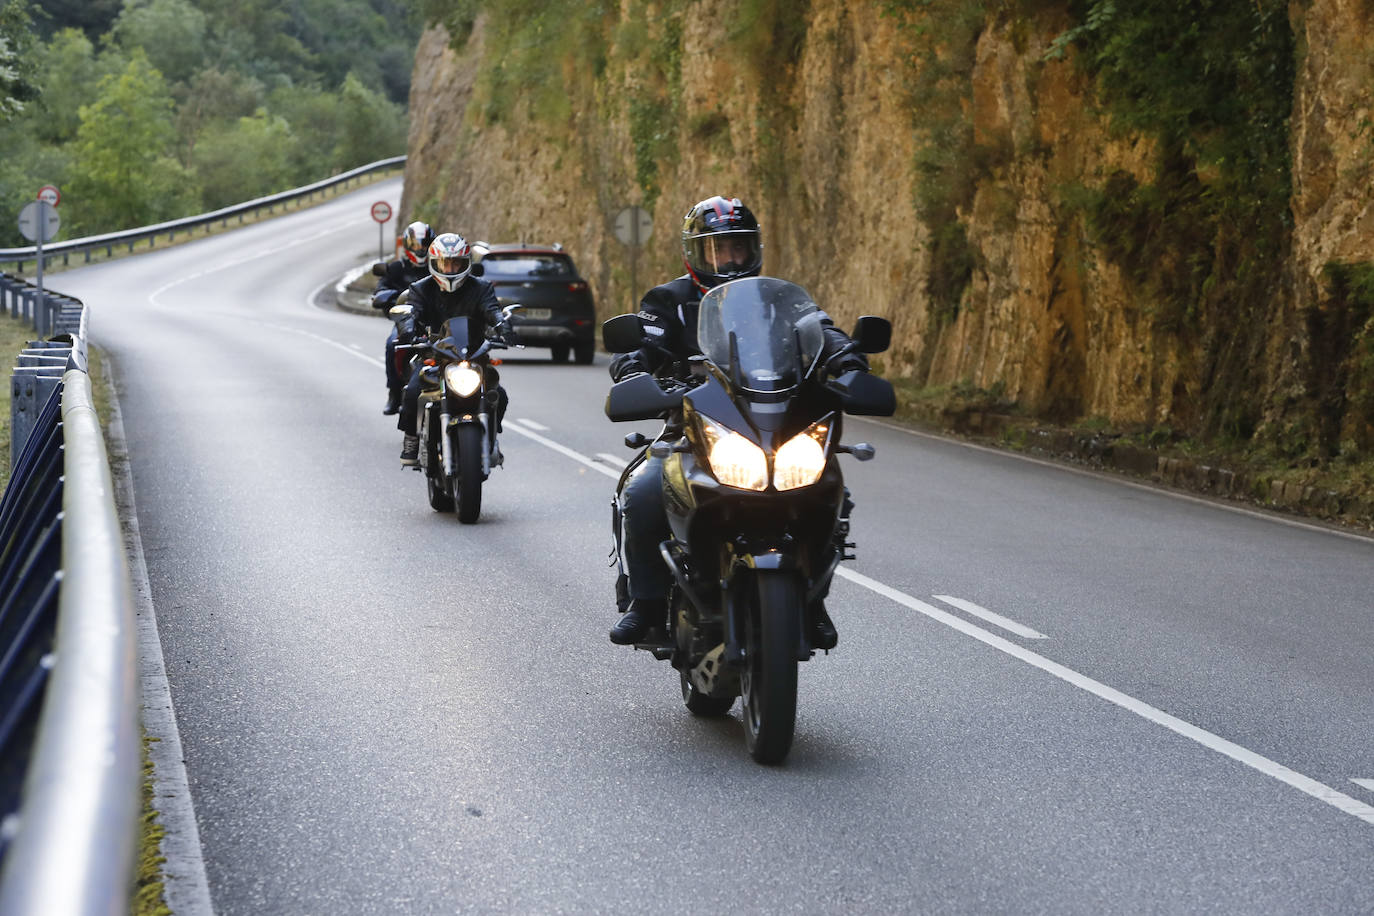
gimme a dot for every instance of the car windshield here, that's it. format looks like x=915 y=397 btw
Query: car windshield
x=762 y=331
x=526 y=265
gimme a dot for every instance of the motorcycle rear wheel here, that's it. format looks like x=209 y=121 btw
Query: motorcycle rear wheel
x=769 y=681
x=468 y=440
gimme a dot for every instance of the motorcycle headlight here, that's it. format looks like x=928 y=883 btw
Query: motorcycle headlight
x=801 y=459
x=734 y=460
x=462 y=378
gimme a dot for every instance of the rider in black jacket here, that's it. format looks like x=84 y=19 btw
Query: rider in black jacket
x=720 y=242
x=448 y=292
x=397 y=276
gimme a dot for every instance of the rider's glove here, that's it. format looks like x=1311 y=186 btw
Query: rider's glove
x=627 y=365
x=848 y=362
x=405 y=332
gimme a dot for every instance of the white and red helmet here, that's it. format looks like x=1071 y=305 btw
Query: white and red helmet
x=450 y=260
x=415 y=242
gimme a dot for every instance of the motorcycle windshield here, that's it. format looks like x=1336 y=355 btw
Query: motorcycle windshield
x=764 y=333
x=453 y=338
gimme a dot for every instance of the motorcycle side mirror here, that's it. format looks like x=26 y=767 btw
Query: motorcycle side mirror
x=378 y=269
x=865 y=395
x=400 y=312
x=872 y=334
x=640 y=398
x=507 y=310
x=477 y=269
x=622 y=334
x=636 y=440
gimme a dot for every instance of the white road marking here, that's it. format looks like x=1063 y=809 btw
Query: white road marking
x=614 y=461
x=996 y=620
x=564 y=450
x=1273 y=769
x=1317 y=790
x=537 y=427
x=1364 y=783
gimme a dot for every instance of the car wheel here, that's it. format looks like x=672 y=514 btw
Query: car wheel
x=559 y=353
x=583 y=353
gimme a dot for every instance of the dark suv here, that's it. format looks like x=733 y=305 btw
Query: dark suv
x=558 y=312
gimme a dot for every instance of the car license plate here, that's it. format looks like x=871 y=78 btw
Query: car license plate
x=535 y=314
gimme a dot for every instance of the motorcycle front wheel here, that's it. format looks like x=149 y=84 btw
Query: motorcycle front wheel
x=468 y=441
x=769 y=681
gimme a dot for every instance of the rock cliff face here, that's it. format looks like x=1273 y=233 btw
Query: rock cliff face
x=932 y=175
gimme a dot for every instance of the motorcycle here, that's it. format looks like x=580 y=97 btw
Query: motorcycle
x=458 y=412
x=755 y=500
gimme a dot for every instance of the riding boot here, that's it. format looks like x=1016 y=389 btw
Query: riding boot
x=393 y=401
x=643 y=616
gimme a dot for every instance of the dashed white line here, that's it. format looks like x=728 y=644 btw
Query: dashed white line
x=564 y=450
x=995 y=619
x=612 y=460
x=537 y=427
x=1364 y=783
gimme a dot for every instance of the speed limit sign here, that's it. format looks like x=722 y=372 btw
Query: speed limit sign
x=381 y=211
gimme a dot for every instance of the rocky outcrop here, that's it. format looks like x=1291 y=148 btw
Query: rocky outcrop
x=829 y=129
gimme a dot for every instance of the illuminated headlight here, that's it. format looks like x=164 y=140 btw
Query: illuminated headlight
x=734 y=460
x=462 y=378
x=801 y=459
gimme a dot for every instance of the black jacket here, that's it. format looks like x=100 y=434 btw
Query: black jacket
x=668 y=314
x=399 y=275
x=475 y=300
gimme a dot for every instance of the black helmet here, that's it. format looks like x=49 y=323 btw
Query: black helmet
x=721 y=242
x=415 y=242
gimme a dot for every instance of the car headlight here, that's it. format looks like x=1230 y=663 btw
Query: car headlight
x=734 y=460
x=801 y=459
x=462 y=378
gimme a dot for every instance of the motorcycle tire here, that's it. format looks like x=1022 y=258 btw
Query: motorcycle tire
x=439 y=500
x=769 y=681
x=468 y=441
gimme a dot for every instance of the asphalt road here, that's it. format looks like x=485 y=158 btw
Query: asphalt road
x=384 y=711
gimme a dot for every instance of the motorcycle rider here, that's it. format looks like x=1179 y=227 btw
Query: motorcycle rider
x=396 y=276
x=721 y=241
x=449 y=291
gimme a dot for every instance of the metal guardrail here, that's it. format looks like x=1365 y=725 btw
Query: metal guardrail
x=170 y=229
x=70 y=765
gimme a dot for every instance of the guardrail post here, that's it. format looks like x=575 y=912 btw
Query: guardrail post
x=30 y=387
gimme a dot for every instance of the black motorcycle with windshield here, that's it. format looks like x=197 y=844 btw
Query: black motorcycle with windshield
x=457 y=421
x=752 y=488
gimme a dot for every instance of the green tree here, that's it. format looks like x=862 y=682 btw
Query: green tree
x=17 y=83
x=170 y=32
x=243 y=160
x=373 y=128
x=122 y=175
x=213 y=96
x=68 y=68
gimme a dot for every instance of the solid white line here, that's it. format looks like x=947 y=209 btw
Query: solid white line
x=537 y=427
x=613 y=460
x=1268 y=767
x=185 y=887
x=1364 y=783
x=996 y=620
x=564 y=450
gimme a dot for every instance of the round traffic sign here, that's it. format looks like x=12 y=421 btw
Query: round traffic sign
x=633 y=225
x=29 y=221
x=381 y=211
x=50 y=195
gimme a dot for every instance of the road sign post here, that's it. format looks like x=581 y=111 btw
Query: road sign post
x=633 y=226
x=381 y=212
x=39 y=222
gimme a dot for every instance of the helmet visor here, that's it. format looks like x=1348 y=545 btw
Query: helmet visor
x=726 y=254
x=451 y=265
